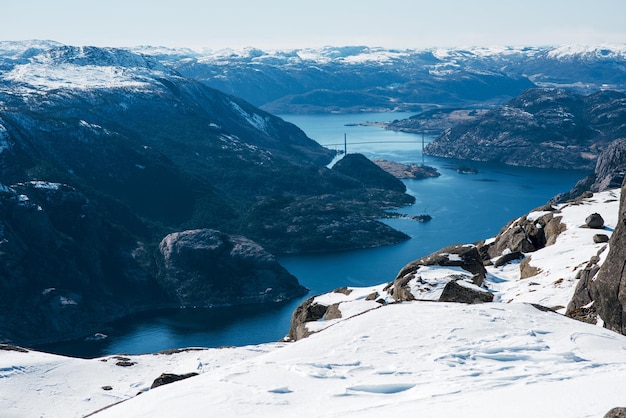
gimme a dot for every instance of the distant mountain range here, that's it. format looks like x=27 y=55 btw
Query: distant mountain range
x=360 y=78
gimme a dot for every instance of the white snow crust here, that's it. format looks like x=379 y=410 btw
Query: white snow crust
x=421 y=358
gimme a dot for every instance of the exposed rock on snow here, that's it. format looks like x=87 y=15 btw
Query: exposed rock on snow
x=594 y=221
x=462 y=292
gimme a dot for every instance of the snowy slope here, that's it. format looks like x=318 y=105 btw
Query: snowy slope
x=434 y=359
x=85 y=68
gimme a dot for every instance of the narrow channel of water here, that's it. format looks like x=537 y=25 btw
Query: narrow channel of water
x=465 y=208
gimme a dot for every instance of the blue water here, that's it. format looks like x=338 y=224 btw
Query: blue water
x=465 y=208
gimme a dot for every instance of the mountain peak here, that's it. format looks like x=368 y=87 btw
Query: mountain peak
x=71 y=67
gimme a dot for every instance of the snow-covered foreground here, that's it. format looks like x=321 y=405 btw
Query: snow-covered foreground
x=428 y=359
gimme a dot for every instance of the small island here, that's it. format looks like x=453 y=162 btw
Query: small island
x=407 y=171
x=467 y=170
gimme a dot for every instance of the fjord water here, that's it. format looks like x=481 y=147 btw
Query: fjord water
x=464 y=207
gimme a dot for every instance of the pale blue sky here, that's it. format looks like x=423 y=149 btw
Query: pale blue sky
x=276 y=24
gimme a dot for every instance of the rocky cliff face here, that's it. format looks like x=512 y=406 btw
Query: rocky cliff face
x=545 y=128
x=608 y=174
x=608 y=288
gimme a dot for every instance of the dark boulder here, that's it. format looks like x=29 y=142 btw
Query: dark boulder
x=206 y=267
x=600 y=238
x=594 y=221
x=167 y=378
x=508 y=257
x=457 y=290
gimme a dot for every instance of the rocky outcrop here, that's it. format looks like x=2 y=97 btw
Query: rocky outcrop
x=608 y=174
x=608 y=290
x=307 y=311
x=581 y=306
x=458 y=290
x=524 y=235
x=618 y=412
x=466 y=257
x=205 y=267
x=546 y=128
x=167 y=378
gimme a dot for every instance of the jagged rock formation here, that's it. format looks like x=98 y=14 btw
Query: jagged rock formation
x=608 y=289
x=524 y=235
x=608 y=174
x=545 y=128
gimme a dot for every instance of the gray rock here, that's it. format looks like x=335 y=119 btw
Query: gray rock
x=333 y=312
x=608 y=173
x=594 y=221
x=206 y=267
x=167 y=378
x=526 y=270
x=618 y=412
x=580 y=306
x=507 y=258
x=523 y=236
x=307 y=311
x=465 y=256
x=456 y=292
x=600 y=238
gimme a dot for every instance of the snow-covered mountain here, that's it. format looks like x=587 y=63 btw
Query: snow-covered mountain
x=506 y=358
x=362 y=78
x=133 y=152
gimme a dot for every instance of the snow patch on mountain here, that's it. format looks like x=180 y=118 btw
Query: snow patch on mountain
x=4 y=138
x=255 y=120
x=85 y=68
